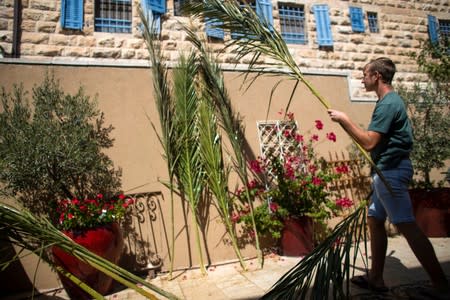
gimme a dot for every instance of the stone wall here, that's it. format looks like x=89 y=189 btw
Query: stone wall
x=403 y=26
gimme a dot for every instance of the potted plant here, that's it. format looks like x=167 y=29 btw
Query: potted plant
x=291 y=196
x=52 y=162
x=428 y=107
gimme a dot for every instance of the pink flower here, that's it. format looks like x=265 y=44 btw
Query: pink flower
x=235 y=217
x=316 y=180
x=273 y=206
x=314 y=137
x=344 y=202
x=287 y=133
x=100 y=196
x=342 y=169
x=319 y=124
x=70 y=216
x=255 y=166
x=331 y=136
x=298 y=138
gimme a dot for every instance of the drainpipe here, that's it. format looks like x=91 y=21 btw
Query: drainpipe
x=15 y=52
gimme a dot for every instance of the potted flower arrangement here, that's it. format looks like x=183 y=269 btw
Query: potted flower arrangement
x=291 y=194
x=51 y=148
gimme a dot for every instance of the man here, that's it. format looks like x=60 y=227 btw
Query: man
x=389 y=140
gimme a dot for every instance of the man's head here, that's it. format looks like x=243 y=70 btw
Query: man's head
x=383 y=66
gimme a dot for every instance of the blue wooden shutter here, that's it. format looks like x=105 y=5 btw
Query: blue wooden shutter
x=212 y=30
x=323 y=25
x=357 y=19
x=153 y=15
x=72 y=14
x=158 y=6
x=264 y=11
x=433 y=29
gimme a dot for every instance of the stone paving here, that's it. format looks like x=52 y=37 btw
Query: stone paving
x=403 y=275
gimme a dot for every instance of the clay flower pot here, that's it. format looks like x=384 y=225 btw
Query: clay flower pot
x=105 y=241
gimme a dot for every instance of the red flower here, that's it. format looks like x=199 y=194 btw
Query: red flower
x=331 y=136
x=319 y=124
x=344 y=202
x=255 y=166
x=273 y=206
x=342 y=169
x=298 y=138
x=316 y=180
x=314 y=137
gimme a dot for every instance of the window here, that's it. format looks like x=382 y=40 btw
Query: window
x=72 y=14
x=357 y=19
x=263 y=9
x=212 y=31
x=372 y=17
x=323 y=26
x=438 y=30
x=292 y=23
x=113 y=16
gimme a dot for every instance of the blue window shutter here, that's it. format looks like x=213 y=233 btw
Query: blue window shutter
x=264 y=11
x=357 y=19
x=212 y=30
x=158 y=6
x=72 y=14
x=323 y=25
x=433 y=29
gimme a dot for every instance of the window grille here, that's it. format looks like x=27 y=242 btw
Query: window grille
x=243 y=4
x=444 y=29
x=272 y=139
x=113 y=16
x=372 y=17
x=292 y=23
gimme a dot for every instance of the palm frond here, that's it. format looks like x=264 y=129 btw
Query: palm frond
x=229 y=120
x=38 y=235
x=166 y=113
x=256 y=38
x=190 y=168
x=325 y=272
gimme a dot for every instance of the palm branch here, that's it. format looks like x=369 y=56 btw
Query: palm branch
x=256 y=37
x=38 y=235
x=229 y=120
x=326 y=269
x=166 y=113
x=217 y=172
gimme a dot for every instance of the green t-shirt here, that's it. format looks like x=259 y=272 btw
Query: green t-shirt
x=390 y=119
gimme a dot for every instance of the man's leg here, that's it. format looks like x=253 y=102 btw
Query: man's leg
x=424 y=251
x=378 y=247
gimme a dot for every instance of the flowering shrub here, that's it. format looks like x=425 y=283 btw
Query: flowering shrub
x=89 y=213
x=292 y=185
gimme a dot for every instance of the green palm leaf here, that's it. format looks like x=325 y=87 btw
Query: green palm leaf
x=38 y=235
x=325 y=272
x=257 y=38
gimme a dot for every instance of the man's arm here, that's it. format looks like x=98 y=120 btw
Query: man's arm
x=367 y=139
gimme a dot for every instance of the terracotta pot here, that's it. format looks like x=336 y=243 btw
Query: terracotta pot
x=432 y=210
x=297 y=236
x=105 y=241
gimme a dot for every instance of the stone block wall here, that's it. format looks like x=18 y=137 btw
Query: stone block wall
x=402 y=24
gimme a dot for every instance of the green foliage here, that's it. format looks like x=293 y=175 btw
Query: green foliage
x=428 y=107
x=51 y=148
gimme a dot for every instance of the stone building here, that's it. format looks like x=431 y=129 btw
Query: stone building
x=98 y=44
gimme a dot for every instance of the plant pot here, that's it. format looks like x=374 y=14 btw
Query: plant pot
x=432 y=210
x=105 y=241
x=297 y=236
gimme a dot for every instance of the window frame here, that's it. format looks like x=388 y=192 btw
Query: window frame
x=293 y=37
